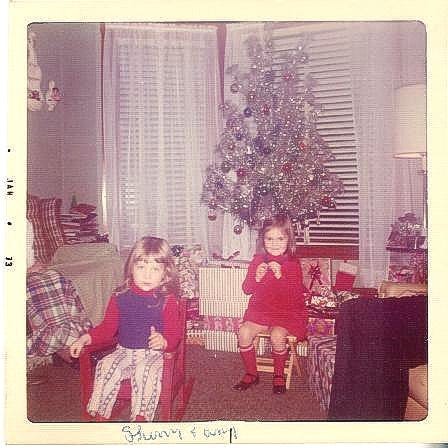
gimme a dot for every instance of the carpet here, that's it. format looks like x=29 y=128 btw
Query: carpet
x=58 y=398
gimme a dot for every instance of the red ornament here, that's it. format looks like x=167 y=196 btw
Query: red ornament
x=241 y=172
x=303 y=146
x=287 y=168
x=251 y=96
x=327 y=201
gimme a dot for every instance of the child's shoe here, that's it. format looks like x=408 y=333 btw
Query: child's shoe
x=248 y=380
x=279 y=384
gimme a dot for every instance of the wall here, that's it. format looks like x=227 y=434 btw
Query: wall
x=44 y=128
x=63 y=146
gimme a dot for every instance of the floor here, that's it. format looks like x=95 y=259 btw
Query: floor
x=57 y=399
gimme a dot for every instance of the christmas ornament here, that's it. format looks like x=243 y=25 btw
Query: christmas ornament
x=177 y=250
x=247 y=112
x=226 y=167
x=262 y=190
x=234 y=88
x=266 y=150
x=212 y=215
x=268 y=77
x=251 y=96
x=266 y=110
x=241 y=172
x=238 y=229
x=250 y=161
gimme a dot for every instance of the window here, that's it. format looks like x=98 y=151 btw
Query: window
x=161 y=90
x=329 y=65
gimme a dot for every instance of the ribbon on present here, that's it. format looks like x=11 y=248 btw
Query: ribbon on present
x=315 y=274
x=226 y=259
x=229 y=258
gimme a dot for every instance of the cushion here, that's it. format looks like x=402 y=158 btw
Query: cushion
x=45 y=217
x=83 y=252
x=395 y=289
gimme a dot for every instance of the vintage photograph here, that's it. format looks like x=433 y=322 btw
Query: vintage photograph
x=226 y=221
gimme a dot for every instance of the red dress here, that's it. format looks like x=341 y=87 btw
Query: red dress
x=277 y=302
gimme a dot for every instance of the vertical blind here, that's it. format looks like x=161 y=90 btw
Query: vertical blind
x=329 y=65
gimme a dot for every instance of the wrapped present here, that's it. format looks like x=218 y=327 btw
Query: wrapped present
x=316 y=273
x=327 y=300
x=226 y=341
x=195 y=337
x=220 y=291
x=187 y=261
x=401 y=274
x=345 y=276
x=193 y=309
x=320 y=366
x=320 y=327
x=222 y=323
x=222 y=283
x=223 y=307
x=335 y=264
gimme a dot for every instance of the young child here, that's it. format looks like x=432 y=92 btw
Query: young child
x=277 y=303
x=144 y=315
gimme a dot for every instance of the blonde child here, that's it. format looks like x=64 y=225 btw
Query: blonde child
x=144 y=315
x=277 y=305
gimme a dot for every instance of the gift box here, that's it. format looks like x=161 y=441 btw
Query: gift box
x=220 y=291
x=223 y=307
x=345 y=276
x=187 y=260
x=320 y=366
x=193 y=309
x=320 y=327
x=221 y=283
x=222 y=323
x=195 y=337
x=316 y=273
x=226 y=341
x=401 y=274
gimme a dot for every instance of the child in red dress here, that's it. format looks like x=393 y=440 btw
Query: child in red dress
x=277 y=304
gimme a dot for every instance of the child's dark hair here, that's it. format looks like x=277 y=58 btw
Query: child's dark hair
x=160 y=250
x=283 y=223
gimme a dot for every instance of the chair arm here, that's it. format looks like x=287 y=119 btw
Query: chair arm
x=92 y=348
x=86 y=369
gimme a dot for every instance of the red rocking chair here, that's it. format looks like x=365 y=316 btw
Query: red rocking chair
x=174 y=386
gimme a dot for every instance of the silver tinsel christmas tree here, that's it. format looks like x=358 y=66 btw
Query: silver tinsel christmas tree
x=271 y=157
